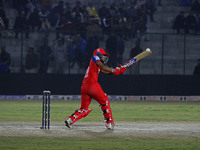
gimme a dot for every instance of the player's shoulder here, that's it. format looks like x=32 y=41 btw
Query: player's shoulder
x=95 y=58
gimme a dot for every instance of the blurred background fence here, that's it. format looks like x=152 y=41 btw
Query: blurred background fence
x=172 y=53
x=66 y=48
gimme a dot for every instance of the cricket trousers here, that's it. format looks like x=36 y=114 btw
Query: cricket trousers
x=91 y=91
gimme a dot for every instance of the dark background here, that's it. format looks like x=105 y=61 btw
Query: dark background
x=34 y=84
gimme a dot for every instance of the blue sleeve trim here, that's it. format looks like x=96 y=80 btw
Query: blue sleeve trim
x=95 y=58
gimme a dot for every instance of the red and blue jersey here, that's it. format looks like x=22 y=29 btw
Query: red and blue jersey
x=93 y=70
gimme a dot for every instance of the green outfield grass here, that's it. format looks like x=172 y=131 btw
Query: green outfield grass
x=33 y=143
x=30 y=111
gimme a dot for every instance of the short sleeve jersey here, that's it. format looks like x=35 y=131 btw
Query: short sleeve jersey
x=93 y=70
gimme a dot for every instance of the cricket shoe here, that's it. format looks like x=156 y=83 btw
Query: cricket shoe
x=110 y=126
x=68 y=122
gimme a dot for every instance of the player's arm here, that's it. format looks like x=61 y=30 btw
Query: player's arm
x=105 y=69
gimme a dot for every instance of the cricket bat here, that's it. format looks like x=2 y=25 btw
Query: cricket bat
x=138 y=57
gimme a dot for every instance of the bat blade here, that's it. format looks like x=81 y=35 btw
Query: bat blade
x=138 y=57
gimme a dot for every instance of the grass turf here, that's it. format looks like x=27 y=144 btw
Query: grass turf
x=26 y=111
x=30 y=111
x=33 y=143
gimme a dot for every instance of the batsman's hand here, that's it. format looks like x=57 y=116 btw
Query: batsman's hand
x=123 y=69
x=119 y=70
x=116 y=71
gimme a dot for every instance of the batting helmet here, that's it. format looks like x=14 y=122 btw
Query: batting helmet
x=100 y=51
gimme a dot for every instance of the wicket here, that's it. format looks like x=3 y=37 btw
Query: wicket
x=46 y=110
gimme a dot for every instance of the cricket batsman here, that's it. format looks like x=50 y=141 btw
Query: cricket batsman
x=91 y=89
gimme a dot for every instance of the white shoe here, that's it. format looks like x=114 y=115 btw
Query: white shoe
x=68 y=122
x=110 y=126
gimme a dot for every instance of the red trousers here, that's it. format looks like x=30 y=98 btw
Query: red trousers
x=92 y=90
x=89 y=91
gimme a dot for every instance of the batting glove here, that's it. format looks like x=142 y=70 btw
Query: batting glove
x=116 y=71
x=119 y=70
x=123 y=69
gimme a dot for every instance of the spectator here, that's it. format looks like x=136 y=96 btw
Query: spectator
x=151 y=9
x=92 y=35
x=64 y=26
x=3 y=17
x=197 y=68
x=78 y=52
x=111 y=46
x=45 y=52
x=180 y=22
x=34 y=20
x=52 y=18
x=4 y=67
x=5 y=60
x=141 y=29
x=120 y=49
x=92 y=11
x=114 y=10
x=106 y=25
x=123 y=25
x=191 y=23
x=78 y=20
x=68 y=12
x=30 y=7
x=104 y=12
x=46 y=4
x=198 y=22
x=60 y=56
x=130 y=33
x=142 y=13
x=116 y=24
x=21 y=25
x=5 y=56
x=77 y=7
x=20 y=6
x=77 y=13
x=131 y=11
x=85 y=17
x=122 y=9
x=59 y=8
x=140 y=3
x=195 y=7
x=1 y=26
x=135 y=51
x=3 y=32
x=44 y=19
x=32 y=61
x=82 y=52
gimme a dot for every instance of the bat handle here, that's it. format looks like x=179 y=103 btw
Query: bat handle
x=130 y=62
x=125 y=66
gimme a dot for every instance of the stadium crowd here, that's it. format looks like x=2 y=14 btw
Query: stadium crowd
x=80 y=27
x=190 y=23
x=84 y=24
x=63 y=17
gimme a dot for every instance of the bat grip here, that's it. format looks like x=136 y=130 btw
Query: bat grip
x=125 y=66
x=130 y=62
